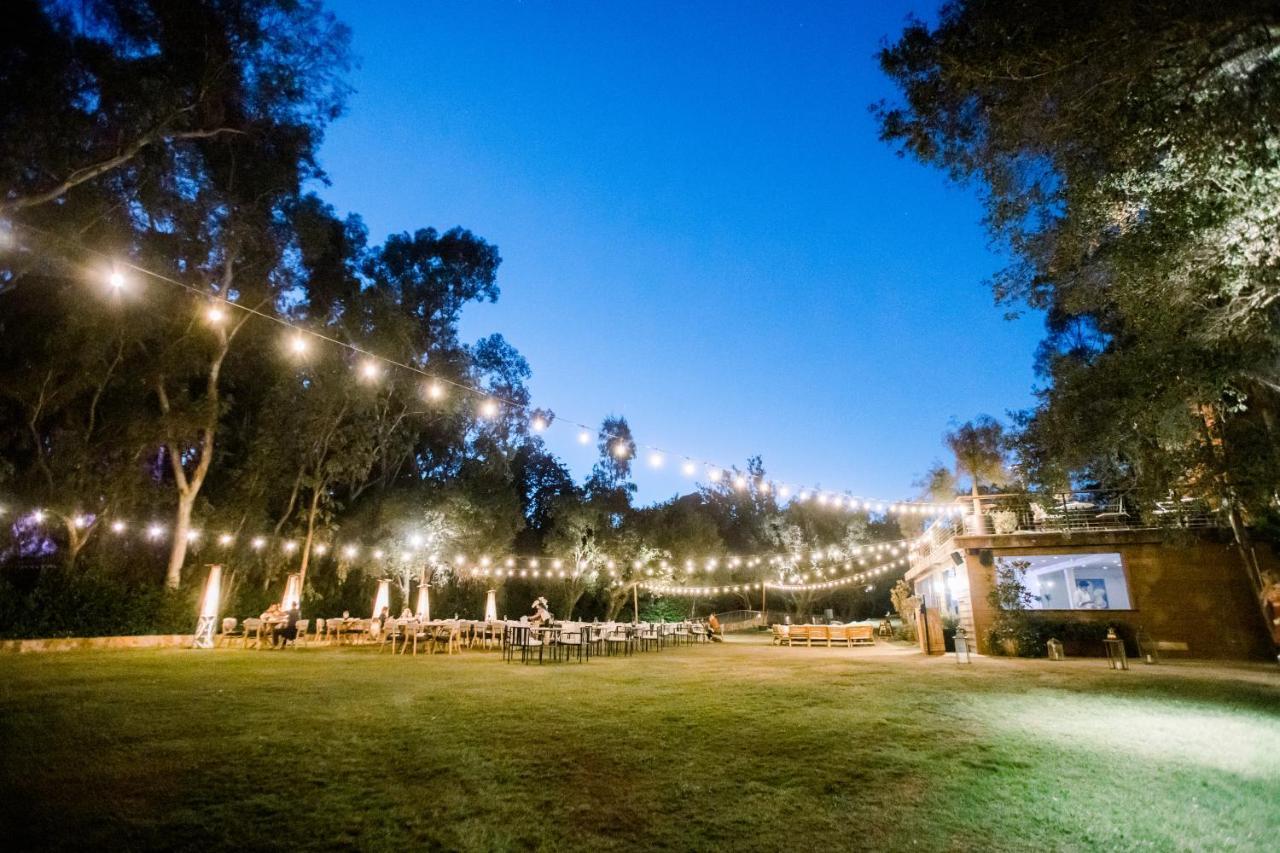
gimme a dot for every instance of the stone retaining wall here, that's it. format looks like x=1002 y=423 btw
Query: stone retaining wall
x=68 y=644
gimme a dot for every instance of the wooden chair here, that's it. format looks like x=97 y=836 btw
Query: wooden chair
x=839 y=635
x=781 y=637
x=252 y=631
x=862 y=635
x=389 y=634
x=229 y=631
x=447 y=637
x=799 y=635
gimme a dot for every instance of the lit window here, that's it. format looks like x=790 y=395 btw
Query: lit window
x=1072 y=581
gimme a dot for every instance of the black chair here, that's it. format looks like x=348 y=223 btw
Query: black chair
x=520 y=637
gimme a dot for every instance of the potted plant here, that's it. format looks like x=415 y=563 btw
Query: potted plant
x=1003 y=521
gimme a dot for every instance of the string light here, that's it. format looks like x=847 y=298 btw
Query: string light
x=369 y=370
x=489 y=409
x=215 y=315
x=689 y=469
x=299 y=345
x=538 y=424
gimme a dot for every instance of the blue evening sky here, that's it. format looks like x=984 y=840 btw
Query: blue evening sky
x=699 y=228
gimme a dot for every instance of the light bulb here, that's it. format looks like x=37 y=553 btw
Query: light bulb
x=215 y=315
x=321 y=548
x=689 y=469
x=620 y=450
x=349 y=551
x=713 y=475
x=655 y=459
x=370 y=370
x=225 y=539
x=155 y=531
x=117 y=527
x=435 y=391
x=378 y=553
x=290 y=546
x=116 y=280
x=258 y=543
x=298 y=344
x=584 y=437
x=489 y=409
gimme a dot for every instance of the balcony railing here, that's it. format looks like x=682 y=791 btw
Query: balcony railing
x=1009 y=514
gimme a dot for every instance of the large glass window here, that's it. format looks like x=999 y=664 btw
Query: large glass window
x=1073 y=581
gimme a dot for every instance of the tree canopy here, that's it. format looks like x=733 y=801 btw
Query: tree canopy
x=1128 y=157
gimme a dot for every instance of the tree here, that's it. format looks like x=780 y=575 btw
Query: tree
x=1128 y=156
x=202 y=123
x=979 y=448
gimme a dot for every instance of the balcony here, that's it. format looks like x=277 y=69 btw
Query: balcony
x=1067 y=512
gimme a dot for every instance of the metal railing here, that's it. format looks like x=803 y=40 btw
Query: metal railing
x=1011 y=514
x=740 y=620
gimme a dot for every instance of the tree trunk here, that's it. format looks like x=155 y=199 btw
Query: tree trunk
x=306 y=545
x=178 y=547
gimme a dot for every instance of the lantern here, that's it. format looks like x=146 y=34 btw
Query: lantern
x=1116 y=656
x=962 y=646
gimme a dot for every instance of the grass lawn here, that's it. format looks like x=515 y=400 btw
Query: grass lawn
x=740 y=746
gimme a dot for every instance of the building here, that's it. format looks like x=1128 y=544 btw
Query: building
x=1171 y=571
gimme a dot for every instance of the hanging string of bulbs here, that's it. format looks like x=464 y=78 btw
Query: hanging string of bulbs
x=868 y=574
x=413 y=548
x=370 y=367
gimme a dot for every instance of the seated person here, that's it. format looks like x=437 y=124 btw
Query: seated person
x=714 y=630
x=289 y=628
x=541 y=615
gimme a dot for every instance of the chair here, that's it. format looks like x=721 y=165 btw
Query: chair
x=229 y=631
x=781 y=637
x=303 y=625
x=389 y=634
x=682 y=633
x=411 y=631
x=448 y=636
x=520 y=637
x=620 y=637
x=571 y=640
x=252 y=631
x=319 y=632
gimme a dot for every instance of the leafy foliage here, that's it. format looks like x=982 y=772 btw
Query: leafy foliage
x=1128 y=156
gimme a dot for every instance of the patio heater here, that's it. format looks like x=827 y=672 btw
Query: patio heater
x=491 y=606
x=292 y=592
x=1055 y=650
x=207 y=623
x=961 y=641
x=383 y=598
x=424 y=603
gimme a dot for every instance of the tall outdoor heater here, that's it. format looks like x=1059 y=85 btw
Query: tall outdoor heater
x=383 y=598
x=491 y=606
x=292 y=592
x=207 y=624
x=424 y=602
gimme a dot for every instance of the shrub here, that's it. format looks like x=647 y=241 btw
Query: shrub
x=52 y=602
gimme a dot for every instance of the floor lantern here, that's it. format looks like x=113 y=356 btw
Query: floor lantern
x=491 y=606
x=208 y=621
x=961 y=641
x=292 y=593
x=383 y=598
x=424 y=603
